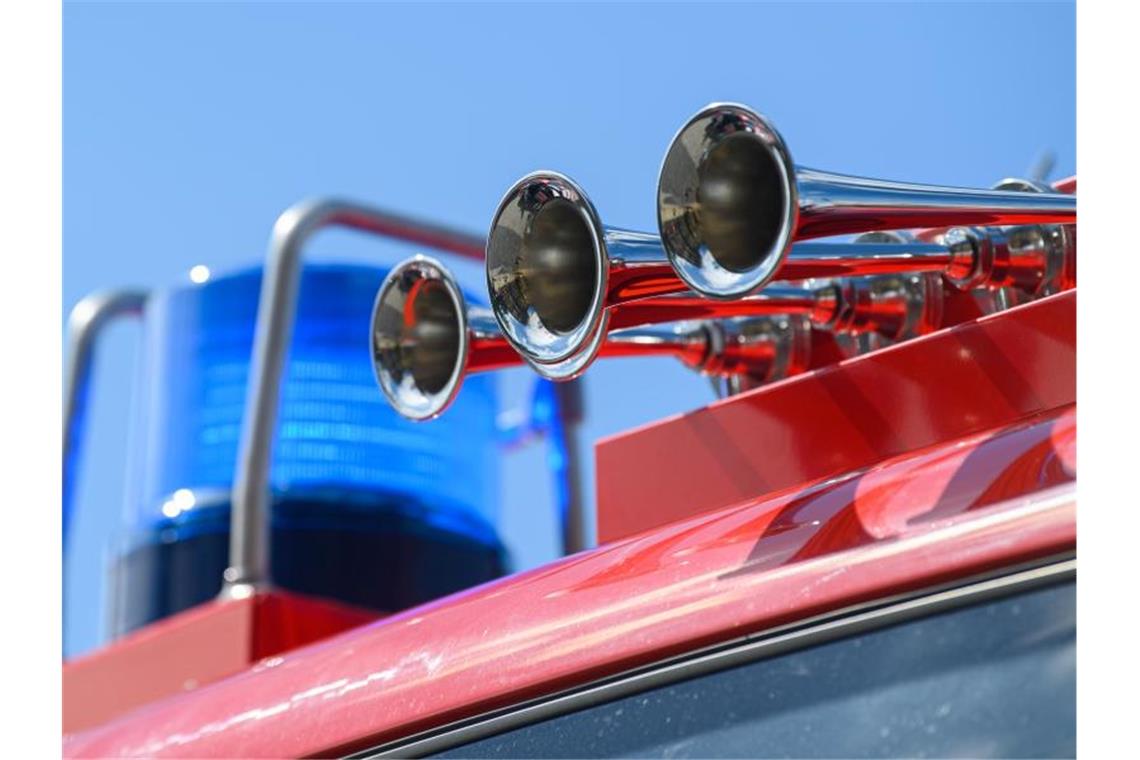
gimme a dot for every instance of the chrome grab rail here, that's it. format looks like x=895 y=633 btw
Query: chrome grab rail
x=249 y=520
x=85 y=324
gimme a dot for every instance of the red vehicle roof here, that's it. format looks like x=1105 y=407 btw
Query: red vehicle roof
x=949 y=512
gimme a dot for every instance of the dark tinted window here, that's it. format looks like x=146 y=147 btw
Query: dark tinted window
x=992 y=680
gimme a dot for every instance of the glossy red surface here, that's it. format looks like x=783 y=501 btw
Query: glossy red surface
x=919 y=519
x=194 y=648
x=990 y=372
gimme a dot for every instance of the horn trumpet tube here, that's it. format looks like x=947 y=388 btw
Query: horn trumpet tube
x=896 y=306
x=730 y=202
x=1013 y=264
x=425 y=339
x=893 y=306
x=554 y=272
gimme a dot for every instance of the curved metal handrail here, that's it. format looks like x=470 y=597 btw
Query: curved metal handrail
x=249 y=531
x=84 y=325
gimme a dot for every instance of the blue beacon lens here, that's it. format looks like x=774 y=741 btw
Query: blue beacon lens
x=368 y=508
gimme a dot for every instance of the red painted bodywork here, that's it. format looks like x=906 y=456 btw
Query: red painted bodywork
x=928 y=462
x=925 y=517
x=992 y=372
x=194 y=648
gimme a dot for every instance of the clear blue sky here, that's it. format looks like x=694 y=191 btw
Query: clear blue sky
x=189 y=127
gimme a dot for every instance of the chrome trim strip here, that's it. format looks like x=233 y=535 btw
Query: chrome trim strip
x=769 y=643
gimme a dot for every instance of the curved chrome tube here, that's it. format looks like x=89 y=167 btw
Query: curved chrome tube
x=249 y=520
x=820 y=302
x=730 y=202
x=555 y=273
x=84 y=325
x=425 y=339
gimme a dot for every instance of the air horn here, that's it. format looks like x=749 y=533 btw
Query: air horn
x=425 y=339
x=730 y=202
x=554 y=273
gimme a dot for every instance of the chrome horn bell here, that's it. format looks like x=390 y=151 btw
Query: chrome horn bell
x=730 y=202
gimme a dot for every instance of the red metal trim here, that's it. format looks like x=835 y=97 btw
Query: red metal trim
x=987 y=373
x=924 y=518
x=1067 y=185
x=194 y=648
